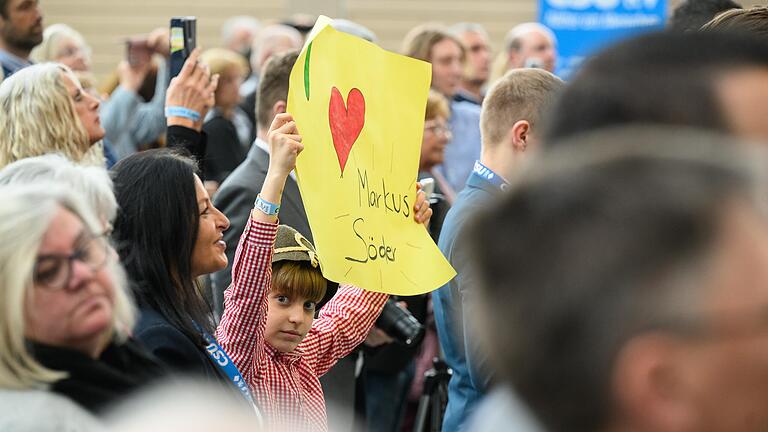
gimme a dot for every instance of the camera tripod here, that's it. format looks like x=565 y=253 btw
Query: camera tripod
x=434 y=398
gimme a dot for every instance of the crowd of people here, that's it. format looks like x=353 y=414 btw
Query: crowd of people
x=610 y=237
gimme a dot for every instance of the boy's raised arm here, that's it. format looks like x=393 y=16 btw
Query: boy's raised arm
x=242 y=326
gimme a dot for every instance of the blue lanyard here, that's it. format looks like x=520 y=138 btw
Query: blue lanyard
x=222 y=360
x=490 y=176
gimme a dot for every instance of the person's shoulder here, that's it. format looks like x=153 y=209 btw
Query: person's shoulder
x=36 y=410
x=148 y=317
x=467 y=203
x=237 y=187
x=247 y=177
x=465 y=108
x=217 y=126
x=167 y=342
x=152 y=329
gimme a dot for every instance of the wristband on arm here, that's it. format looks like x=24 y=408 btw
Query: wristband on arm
x=177 y=111
x=266 y=207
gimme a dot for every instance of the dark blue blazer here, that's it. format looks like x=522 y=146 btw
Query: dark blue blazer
x=176 y=350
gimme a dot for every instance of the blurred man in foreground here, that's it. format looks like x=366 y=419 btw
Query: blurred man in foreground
x=709 y=80
x=623 y=284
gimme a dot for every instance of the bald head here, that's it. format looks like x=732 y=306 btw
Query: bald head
x=531 y=45
x=271 y=40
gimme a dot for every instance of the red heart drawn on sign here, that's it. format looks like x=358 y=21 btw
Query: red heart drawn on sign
x=346 y=122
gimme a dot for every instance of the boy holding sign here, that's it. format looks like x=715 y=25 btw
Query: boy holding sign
x=268 y=325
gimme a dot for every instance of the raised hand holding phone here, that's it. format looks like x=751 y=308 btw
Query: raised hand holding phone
x=193 y=90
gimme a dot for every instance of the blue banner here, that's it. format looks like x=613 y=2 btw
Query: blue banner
x=584 y=26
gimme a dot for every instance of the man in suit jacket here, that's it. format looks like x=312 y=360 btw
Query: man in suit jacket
x=235 y=199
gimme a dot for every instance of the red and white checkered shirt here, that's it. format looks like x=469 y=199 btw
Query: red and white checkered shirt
x=286 y=386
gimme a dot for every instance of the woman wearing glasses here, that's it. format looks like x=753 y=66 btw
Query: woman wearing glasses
x=64 y=314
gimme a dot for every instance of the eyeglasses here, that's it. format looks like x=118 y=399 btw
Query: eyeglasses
x=437 y=128
x=55 y=271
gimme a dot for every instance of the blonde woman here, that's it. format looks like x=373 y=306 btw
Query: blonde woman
x=127 y=119
x=44 y=109
x=64 y=311
x=227 y=125
x=65 y=45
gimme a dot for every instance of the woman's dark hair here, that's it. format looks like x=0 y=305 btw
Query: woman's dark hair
x=155 y=234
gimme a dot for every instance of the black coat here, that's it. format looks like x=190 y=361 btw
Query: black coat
x=194 y=142
x=176 y=350
x=96 y=384
x=223 y=151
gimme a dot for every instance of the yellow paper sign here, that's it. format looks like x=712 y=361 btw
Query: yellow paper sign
x=360 y=111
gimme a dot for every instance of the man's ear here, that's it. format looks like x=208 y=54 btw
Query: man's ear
x=278 y=108
x=649 y=384
x=520 y=134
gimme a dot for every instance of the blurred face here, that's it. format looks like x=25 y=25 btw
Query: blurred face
x=72 y=54
x=742 y=95
x=716 y=378
x=478 y=50
x=536 y=49
x=446 y=67
x=241 y=40
x=86 y=107
x=273 y=46
x=726 y=370
x=436 y=136
x=209 y=254
x=22 y=28
x=72 y=298
x=228 y=91
x=289 y=318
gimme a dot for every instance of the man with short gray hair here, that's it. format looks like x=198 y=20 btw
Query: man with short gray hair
x=622 y=284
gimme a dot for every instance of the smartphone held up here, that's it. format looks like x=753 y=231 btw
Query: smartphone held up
x=183 y=40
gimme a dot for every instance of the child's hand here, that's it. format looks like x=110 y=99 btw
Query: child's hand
x=284 y=144
x=421 y=209
x=284 y=147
